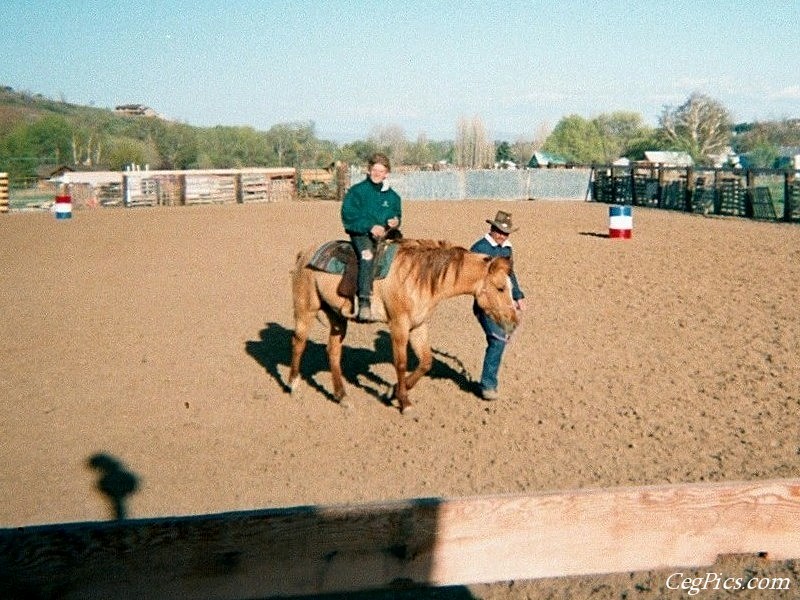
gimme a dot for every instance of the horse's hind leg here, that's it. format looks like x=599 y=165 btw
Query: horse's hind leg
x=302 y=322
x=338 y=329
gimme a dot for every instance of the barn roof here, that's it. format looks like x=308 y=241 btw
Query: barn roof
x=544 y=159
x=668 y=158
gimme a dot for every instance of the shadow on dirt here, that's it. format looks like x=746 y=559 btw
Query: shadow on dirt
x=273 y=350
x=455 y=592
x=115 y=482
x=252 y=554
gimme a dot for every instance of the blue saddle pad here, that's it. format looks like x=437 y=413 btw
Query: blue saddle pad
x=337 y=255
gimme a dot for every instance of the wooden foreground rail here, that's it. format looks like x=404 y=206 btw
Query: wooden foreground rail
x=314 y=550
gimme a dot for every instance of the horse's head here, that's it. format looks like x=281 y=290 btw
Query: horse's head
x=494 y=293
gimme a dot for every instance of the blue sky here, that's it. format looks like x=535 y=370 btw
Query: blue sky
x=351 y=67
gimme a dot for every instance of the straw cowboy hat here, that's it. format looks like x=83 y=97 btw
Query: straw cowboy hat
x=502 y=221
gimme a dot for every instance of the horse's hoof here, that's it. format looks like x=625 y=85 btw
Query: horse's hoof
x=409 y=412
x=388 y=397
x=344 y=402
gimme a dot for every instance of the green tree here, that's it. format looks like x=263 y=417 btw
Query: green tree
x=649 y=139
x=292 y=144
x=125 y=151
x=29 y=144
x=576 y=139
x=761 y=141
x=503 y=153
x=357 y=152
x=233 y=147
x=763 y=156
x=177 y=146
x=619 y=132
x=421 y=152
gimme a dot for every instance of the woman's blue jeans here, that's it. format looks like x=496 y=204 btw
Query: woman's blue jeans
x=362 y=242
x=496 y=340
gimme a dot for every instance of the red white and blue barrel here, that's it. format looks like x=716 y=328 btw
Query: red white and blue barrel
x=620 y=221
x=63 y=207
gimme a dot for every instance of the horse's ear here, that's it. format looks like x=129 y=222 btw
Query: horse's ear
x=502 y=263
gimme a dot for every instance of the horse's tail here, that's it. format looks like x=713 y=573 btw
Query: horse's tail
x=304 y=288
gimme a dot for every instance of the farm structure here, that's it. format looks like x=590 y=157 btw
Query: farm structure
x=179 y=188
x=766 y=194
x=754 y=193
x=329 y=183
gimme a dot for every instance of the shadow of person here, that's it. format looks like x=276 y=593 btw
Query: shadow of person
x=116 y=483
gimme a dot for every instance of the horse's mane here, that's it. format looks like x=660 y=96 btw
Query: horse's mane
x=429 y=261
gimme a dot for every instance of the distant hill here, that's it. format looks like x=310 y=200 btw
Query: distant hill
x=36 y=131
x=19 y=107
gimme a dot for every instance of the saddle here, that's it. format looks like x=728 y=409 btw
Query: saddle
x=339 y=258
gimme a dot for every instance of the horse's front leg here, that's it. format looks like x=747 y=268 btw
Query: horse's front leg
x=419 y=342
x=400 y=336
x=338 y=329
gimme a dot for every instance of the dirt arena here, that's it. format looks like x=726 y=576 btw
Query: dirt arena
x=160 y=337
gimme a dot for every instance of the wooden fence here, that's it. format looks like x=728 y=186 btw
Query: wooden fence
x=423 y=542
x=755 y=193
x=330 y=183
x=179 y=188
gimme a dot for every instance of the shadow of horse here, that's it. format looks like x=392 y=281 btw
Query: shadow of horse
x=273 y=350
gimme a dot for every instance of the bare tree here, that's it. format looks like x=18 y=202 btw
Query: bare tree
x=701 y=126
x=473 y=150
x=524 y=147
x=87 y=147
x=391 y=140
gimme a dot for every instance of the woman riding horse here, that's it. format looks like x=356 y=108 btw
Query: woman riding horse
x=422 y=274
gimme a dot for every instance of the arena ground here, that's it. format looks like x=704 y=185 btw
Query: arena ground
x=160 y=338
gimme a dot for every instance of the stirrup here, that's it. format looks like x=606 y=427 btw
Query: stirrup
x=364 y=313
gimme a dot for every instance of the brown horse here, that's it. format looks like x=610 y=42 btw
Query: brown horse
x=423 y=273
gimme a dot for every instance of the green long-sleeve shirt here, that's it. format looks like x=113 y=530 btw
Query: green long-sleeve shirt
x=367 y=204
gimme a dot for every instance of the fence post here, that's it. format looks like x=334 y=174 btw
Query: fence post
x=660 y=197
x=688 y=201
x=788 y=188
x=750 y=180
x=613 y=186
x=126 y=197
x=3 y=192
x=237 y=188
x=182 y=189
x=342 y=180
